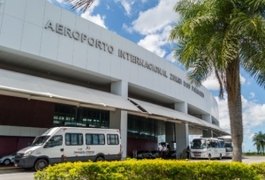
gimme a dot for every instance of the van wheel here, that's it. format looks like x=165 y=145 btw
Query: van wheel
x=100 y=158
x=40 y=164
x=209 y=156
x=220 y=157
x=7 y=162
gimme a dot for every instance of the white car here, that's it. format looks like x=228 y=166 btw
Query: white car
x=7 y=160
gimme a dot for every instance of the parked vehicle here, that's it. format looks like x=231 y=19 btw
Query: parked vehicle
x=156 y=154
x=207 y=148
x=7 y=160
x=228 y=146
x=61 y=144
x=145 y=155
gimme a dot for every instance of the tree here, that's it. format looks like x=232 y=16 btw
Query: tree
x=259 y=141
x=82 y=5
x=220 y=36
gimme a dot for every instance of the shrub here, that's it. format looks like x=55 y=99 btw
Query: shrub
x=260 y=169
x=150 y=169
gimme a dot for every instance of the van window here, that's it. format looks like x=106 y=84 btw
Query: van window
x=55 y=141
x=95 y=139
x=38 y=141
x=72 y=139
x=113 y=139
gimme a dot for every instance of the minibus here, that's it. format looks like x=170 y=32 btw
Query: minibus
x=64 y=144
x=228 y=146
x=207 y=148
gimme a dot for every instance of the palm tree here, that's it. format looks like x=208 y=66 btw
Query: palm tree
x=220 y=36
x=81 y=5
x=259 y=139
x=263 y=143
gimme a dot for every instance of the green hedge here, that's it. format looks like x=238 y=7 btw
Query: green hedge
x=152 y=169
x=260 y=169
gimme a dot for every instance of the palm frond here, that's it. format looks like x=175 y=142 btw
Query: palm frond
x=81 y=5
x=255 y=5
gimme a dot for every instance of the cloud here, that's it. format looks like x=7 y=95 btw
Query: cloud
x=252 y=95
x=211 y=82
x=163 y=14
x=153 y=43
x=156 y=32
x=127 y=5
x=253 y=114
x=127 y=28
x=97 y=19
x=223 y=114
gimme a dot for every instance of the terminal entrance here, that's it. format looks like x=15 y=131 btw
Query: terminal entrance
x=146 y=134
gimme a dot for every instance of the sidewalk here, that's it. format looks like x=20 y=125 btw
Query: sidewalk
x=10 y=169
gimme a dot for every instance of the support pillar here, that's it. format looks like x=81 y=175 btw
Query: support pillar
x=118 y=118
x=182 y=130
x=182 y=137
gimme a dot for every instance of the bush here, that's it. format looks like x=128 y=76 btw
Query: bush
x=260 y=169
x=150 y=169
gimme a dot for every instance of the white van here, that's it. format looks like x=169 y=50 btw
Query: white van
x=61 y=144
x=228 y=145
x=207 y=148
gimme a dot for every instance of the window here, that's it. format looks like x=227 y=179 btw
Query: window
x=113 y=139
x=72 y=139
x=213 y=144
x=65 y=115
x=95 y=139
x=55 y=141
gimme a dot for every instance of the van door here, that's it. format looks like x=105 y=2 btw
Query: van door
x=53 y=149
x=114 y=147
x=74 y=149
x=96 y=148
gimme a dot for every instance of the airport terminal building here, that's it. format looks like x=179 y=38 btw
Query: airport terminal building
x=57 y=69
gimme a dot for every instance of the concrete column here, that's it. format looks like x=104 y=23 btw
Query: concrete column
x=182 y=130
x=182 y=137
x=118 y=118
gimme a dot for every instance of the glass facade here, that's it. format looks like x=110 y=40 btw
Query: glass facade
x=145 y=128
x=145 y=134
x=65 y=115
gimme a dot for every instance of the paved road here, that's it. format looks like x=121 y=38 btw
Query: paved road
x=253 y=159
x=19 y=174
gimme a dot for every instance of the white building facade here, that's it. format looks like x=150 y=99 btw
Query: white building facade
x=57 y=69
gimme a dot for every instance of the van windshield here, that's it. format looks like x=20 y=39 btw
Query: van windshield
x=198 y=144
x=39 y=140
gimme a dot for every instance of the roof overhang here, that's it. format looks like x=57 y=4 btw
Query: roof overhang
x=32 y=87
x=160 y=112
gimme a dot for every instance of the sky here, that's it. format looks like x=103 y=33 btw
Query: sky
x=148 y=24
